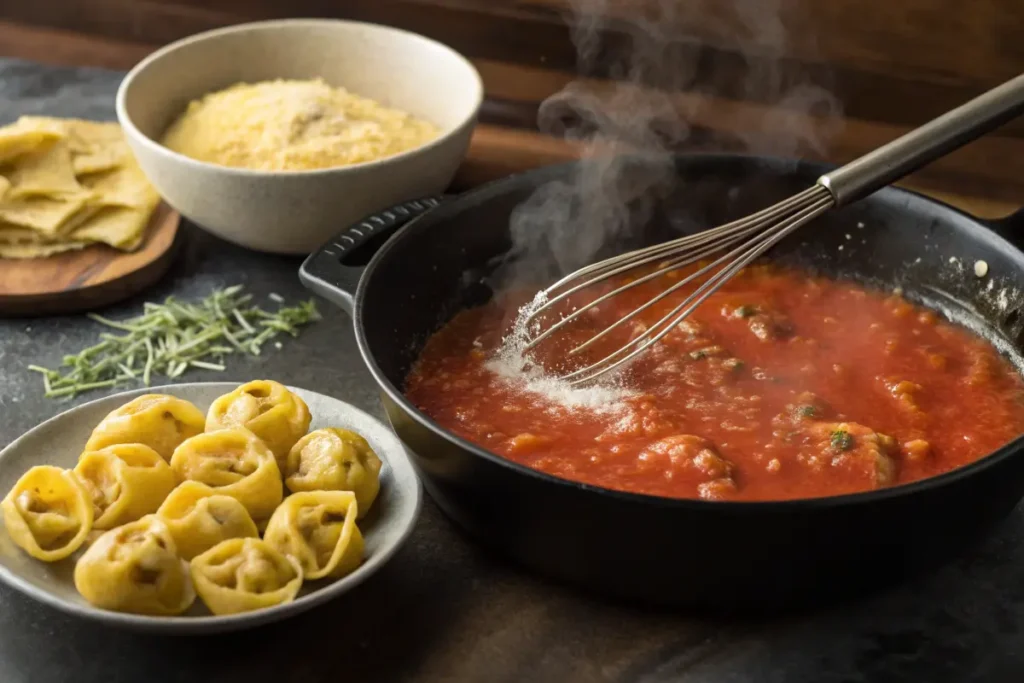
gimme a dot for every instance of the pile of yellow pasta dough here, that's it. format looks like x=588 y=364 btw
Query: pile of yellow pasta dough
x=169 y=503
x=69 y=183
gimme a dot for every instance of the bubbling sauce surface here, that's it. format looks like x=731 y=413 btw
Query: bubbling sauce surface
x=781 y=385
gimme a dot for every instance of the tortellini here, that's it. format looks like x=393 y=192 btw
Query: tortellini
x=245 y=574
x=166 y=505
x=48 y=513
x=233 y=462
x=136 y=568
x=125 y=482
x=159 y=421
x=318 y=528
x=268 y=410
x=334 y=460
x=200 y=518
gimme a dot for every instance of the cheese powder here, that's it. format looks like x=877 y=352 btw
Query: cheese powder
x=288 y=125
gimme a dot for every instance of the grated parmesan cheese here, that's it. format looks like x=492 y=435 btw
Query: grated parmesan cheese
x=511 y=366
x=287 y=125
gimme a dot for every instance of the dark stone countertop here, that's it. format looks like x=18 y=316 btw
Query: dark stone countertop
x=442 y=610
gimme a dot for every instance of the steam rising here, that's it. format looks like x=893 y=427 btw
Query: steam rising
x=657 y=71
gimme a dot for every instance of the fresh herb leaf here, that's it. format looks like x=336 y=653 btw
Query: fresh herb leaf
x=170 y=338
x=745 y=311
x=842 y=440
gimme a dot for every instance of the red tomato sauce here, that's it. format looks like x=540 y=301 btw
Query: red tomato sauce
x=781 y=385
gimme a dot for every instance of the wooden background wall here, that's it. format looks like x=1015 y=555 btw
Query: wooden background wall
x=891 y=64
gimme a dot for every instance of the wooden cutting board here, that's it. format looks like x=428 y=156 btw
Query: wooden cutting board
x=90 y=278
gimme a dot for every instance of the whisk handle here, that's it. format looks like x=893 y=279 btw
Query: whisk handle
x=923 y=145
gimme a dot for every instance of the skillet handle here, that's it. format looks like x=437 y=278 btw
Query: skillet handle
x=325 y=271
x=935 y=139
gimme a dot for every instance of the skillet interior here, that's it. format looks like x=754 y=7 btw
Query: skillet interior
x=645 y=548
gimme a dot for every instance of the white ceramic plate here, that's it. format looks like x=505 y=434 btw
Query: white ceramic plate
x=59 y=442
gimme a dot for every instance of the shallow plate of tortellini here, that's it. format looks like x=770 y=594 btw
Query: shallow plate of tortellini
x=202 y=507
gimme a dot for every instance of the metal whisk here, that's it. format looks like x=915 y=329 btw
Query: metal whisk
x=748 y=238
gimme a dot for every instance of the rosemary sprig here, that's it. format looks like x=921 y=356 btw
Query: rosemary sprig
x=170 y=338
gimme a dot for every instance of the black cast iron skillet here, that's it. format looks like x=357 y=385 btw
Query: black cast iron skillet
x=717 y=555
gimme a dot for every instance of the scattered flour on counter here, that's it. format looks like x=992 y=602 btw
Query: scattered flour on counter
x=511 y=364
x=11 y=388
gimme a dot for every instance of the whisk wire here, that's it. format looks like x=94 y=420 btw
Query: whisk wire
x=617 y=265
x=667 y=292
x=740 y=257
x=670 y=266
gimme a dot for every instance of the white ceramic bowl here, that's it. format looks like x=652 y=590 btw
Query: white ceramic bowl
x=295 y=212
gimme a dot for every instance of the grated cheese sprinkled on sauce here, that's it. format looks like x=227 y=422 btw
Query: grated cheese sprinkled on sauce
x=512 y=365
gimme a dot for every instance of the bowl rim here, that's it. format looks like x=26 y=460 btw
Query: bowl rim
x=180 y=624
x=155 y=147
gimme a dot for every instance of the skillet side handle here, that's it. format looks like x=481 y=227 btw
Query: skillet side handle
x=325 y=272
x=1010 y=228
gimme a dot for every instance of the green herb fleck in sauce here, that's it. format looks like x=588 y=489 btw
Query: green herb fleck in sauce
x=807 y=411
x=842 y=440
x=745 y=311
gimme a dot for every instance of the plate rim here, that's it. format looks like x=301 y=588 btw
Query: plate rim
x=214 y=623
